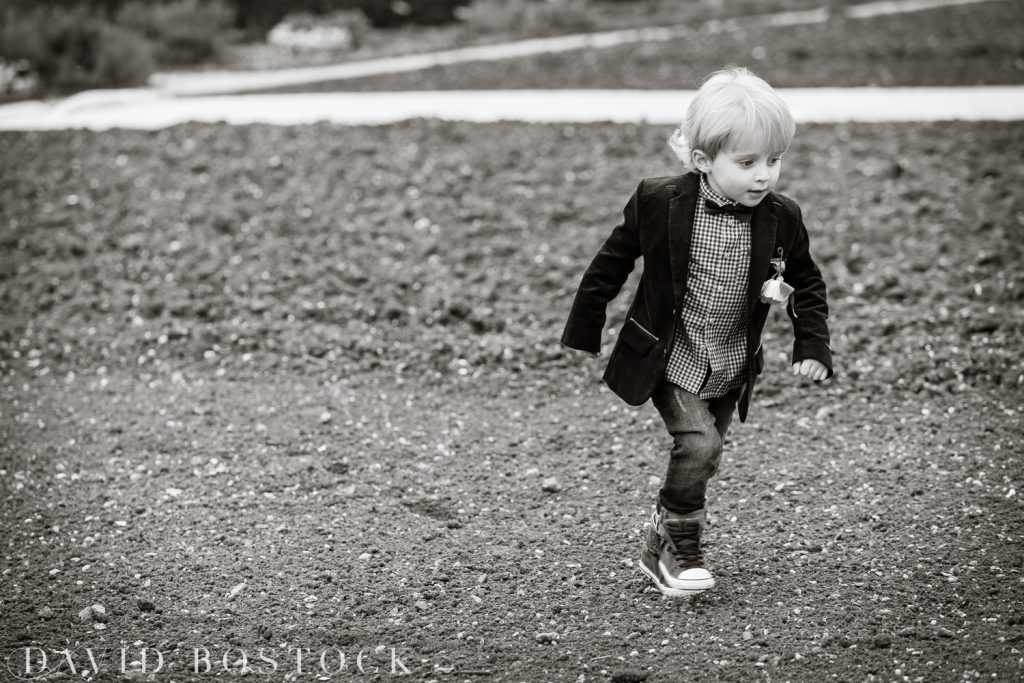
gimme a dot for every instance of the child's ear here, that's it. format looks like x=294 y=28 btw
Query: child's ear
x=701 y=161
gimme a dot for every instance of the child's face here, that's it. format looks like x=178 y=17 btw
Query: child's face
x=743 y=175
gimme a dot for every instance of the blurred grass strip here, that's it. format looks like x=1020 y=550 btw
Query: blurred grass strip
x=966 y=45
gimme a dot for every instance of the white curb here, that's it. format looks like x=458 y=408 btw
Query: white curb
x=151 y=110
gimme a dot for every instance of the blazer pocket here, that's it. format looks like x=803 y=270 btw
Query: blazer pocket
x=634 y=334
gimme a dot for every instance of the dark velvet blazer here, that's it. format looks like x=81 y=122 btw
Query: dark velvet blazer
x=657 y=224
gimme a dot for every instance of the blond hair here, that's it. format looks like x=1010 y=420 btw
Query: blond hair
x=733 y=109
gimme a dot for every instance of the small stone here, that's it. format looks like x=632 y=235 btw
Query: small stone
x=146 y=605
x=882 y=642
x=748 y=635
x=944 y=633
x=235 y=590
x=93 y=613
x=908 y=632
x=551 y=485
x=629 y=676
x=421 y=605
x=46 y=613
x=548 y=637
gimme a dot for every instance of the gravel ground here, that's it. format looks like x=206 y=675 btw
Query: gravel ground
x=967 y=45
x=301 y=387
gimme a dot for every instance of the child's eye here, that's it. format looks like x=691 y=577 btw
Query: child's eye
x=774 y=160
x=746 y=163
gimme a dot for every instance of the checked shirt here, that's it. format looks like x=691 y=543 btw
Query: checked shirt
x=709 y=351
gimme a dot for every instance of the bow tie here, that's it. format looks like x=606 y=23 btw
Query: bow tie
x=740 y=211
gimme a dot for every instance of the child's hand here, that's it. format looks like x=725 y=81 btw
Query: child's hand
x=810 y=368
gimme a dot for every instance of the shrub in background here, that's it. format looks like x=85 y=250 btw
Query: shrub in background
x=341 y=30
x=73 y=48
x=184 y=31
x=385 y=13
x=257 y=17
x=17 y=77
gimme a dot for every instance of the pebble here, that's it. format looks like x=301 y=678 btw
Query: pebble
x=841 y=641
x=421 y=605
x=882 y=642
x=235 y=590
x=551 y=485
x=146 y=605
x=547 y=637
x=46 y=613
x=93 y=613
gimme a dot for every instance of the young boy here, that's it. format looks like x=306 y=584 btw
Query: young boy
x=715 y=243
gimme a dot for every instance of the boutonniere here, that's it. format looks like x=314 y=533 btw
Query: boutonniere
x=775 y=291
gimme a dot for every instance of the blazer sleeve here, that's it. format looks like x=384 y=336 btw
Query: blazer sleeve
x=603 y=279
x=809 y=308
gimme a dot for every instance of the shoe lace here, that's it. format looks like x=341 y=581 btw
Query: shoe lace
x=685 y=546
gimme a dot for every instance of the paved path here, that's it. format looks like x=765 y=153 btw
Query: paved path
x=214 y=82
x=146 y=109
x=178 y=98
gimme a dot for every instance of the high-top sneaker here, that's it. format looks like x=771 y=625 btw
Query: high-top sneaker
x=672 y=557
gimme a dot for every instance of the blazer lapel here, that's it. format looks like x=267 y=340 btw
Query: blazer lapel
x=762 y=240
x=681 y=210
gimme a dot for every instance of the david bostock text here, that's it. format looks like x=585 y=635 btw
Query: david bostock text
x=35 y=663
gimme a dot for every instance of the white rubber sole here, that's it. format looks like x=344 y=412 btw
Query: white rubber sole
x=691 y=585
x=667 y=590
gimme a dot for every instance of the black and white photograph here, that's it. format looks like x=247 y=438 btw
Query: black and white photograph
x=526 y=341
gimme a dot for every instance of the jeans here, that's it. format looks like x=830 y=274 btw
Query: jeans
x=698 y=428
